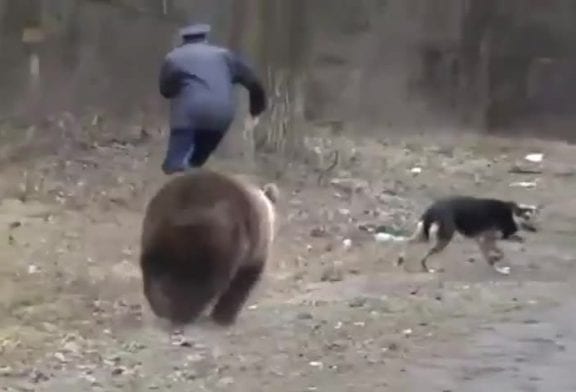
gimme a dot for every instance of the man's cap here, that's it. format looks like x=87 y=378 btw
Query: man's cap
x=195 y=30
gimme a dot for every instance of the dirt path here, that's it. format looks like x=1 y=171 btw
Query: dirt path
x=533 y=351
x=332 y=313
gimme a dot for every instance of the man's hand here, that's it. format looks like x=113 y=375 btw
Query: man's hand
x=251 y=122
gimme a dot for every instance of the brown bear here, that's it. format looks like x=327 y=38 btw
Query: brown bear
x=206 y=237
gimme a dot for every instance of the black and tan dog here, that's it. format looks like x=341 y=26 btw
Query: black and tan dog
x=206 y=237
x=484 y=220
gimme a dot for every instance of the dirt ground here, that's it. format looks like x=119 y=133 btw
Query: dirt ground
x=332 y=314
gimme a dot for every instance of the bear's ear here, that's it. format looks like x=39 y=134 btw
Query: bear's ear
x=271 y=191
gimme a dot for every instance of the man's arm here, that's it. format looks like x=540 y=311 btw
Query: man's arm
x=169 y=82
x=244 y=75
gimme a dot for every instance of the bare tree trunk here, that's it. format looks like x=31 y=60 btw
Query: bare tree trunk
x=475 y=46
x=23 y=21
x=283 y=58
x=243 y=39
x=240 y=23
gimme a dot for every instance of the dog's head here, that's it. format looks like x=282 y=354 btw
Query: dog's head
x=526 y=215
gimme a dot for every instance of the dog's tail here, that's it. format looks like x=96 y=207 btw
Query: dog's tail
x=420 y=234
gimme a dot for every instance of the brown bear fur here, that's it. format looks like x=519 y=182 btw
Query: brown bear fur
x=206 y=236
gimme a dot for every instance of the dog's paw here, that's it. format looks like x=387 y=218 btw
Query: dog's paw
x=502 y=269
x=438 y=270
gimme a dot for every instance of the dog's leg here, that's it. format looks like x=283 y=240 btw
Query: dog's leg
x=484 y=242
x=498 y=251
x=491 y=253
x=417 y=236
x=491 y=242
x=437 y=248
x=441 y=240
